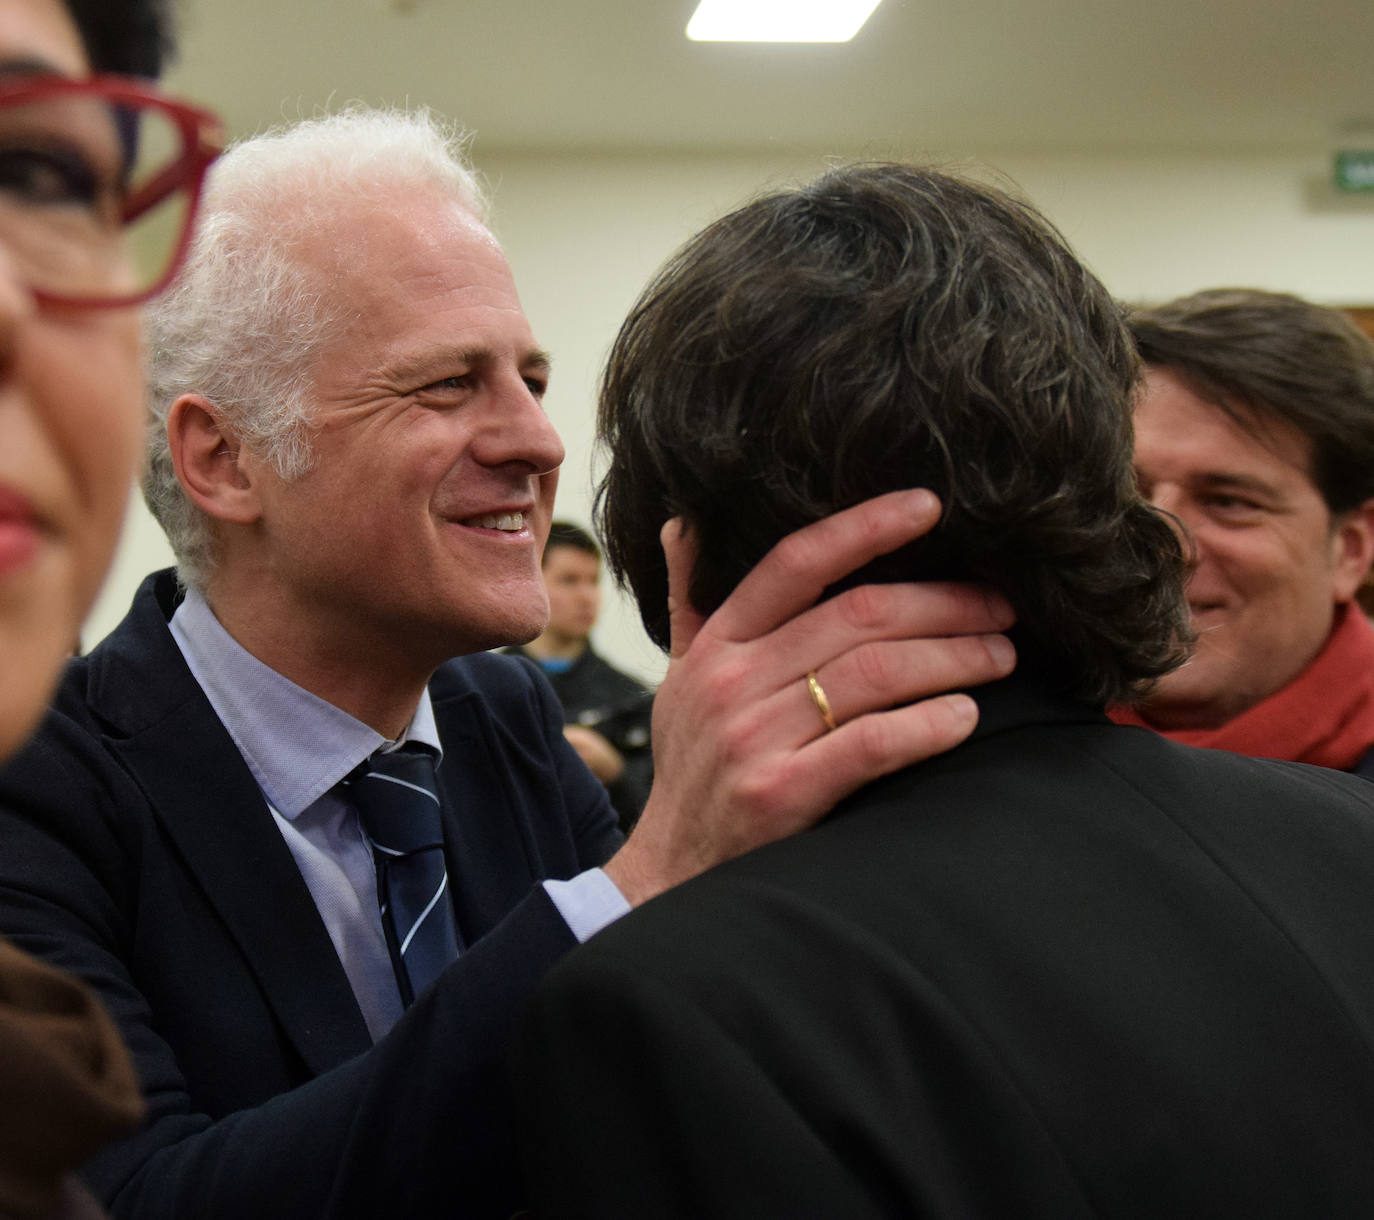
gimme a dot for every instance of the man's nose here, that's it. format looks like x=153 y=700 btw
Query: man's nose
x=545 y=443
x=521 y=431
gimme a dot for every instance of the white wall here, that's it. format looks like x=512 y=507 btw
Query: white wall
x=584 y=234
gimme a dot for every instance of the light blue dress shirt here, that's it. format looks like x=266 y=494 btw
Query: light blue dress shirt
x=298 y=747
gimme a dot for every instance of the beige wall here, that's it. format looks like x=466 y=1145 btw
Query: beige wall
x=584 y=234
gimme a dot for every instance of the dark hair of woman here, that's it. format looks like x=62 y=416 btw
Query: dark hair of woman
x=130 y=38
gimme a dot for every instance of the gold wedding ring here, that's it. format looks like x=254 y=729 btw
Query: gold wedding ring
x=821 y=702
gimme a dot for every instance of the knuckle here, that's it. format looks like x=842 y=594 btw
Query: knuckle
x=873 y=668
x=998 y=610
x=722 y=685
x=764 y=791
x=871 y=522
x=866 y=607
x=962 y=652
x=795 y=555
x=960 y=659
x=739 y=741
x=872 y=747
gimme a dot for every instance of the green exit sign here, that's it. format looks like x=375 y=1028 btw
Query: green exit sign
x=1355 y=170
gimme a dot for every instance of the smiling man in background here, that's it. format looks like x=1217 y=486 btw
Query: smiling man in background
x=1255 y=430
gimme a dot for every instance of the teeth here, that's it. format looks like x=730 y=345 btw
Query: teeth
x=506 y=521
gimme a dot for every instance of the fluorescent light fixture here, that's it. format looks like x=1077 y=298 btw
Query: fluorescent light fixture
x=778 y=20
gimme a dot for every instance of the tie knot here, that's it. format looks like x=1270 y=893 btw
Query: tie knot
x=397 y=796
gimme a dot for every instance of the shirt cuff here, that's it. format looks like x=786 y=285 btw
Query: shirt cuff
x=588 y=902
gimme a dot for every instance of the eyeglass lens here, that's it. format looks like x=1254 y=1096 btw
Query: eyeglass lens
x=68 y=168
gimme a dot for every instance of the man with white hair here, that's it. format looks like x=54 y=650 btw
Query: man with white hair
x=312 y=864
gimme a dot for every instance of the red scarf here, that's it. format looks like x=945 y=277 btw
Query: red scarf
x=1324 y=716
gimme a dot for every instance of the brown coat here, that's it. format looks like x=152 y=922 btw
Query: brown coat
x=67 y=1084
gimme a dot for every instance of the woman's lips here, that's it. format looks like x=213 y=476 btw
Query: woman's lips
x=19 y=531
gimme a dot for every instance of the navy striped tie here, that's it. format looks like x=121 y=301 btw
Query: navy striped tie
x=398 y=802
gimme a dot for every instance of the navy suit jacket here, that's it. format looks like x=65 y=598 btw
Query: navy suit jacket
x=1068 y=969
x=137 y=852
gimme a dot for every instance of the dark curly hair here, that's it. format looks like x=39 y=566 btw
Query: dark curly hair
x=1269 y=355
x=890 y=327
x=130 y=37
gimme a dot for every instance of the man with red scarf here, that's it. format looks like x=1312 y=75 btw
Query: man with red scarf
x=1255 y=430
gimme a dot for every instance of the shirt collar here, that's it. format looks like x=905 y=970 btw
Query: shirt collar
x=297 y=745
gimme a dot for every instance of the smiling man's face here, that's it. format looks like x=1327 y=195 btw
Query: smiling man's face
x=1271 y=565
x=429 y=499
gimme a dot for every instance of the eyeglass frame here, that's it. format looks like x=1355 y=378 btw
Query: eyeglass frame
x=203 y=139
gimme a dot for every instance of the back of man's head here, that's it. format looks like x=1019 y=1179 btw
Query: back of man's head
x=889 y=327
x=248 y=311
x=1268 y=354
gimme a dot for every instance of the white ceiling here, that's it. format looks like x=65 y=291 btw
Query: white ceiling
x=950 y=77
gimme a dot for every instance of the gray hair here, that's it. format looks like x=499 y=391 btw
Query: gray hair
x=243 y=320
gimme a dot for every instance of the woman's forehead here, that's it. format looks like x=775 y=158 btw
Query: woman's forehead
x=40 y=36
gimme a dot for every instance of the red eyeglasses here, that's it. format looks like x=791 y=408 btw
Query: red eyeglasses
x=99 y=184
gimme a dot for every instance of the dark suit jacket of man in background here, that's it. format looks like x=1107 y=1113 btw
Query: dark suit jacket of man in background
x=1071 y=969
x=137 y=837
x=598 y=696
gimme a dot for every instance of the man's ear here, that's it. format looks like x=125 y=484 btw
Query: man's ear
x=207 y=461
x=679 y=542
x=1352 y=551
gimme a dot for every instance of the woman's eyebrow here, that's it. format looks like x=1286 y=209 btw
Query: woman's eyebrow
x=28 y=66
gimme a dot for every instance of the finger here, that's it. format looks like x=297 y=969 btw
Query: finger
x=680 y=553
x=869 y=613
x=838 y=763
x=883 y=675
x=799 y=568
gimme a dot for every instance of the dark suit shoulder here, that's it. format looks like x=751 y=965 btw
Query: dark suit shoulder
x=508 y=692
x=498 y=718
x=1151 y=967
x=65 y=792
x=504 y=679
x=139 y=854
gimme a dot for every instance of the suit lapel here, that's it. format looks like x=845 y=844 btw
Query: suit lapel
x=485 y=829
x=206 y=798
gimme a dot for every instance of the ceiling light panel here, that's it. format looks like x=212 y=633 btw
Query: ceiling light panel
x=778 y=20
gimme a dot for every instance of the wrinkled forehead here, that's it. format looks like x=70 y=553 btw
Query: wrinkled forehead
x=377 y=268
x=377 y=231
x=415 y=292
